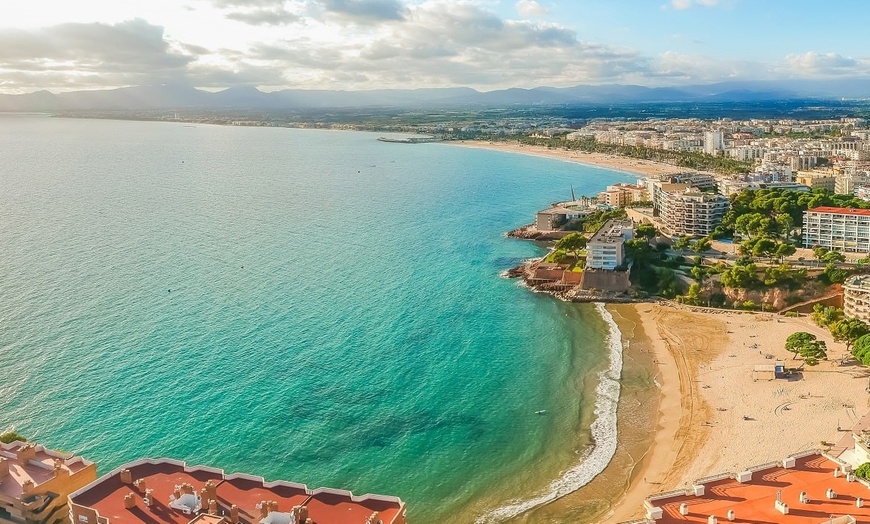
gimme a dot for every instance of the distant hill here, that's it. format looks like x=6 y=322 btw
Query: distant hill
x=176 y=97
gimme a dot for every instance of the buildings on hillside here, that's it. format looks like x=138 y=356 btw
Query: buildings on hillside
x=621 y=195
x=605 y=250
x=838 y=229
x=168 y=491
x=35 y=482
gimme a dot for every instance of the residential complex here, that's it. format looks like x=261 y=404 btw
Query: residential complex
x=605 y=250
x=687 y=211
x=35 y=482
x=836 y=228
x=621 y=195
x=856 y=297
x=165 y=491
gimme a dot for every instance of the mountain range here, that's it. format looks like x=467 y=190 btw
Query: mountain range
x=179 y=97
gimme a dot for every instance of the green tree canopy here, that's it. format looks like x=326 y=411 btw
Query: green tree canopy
x=11 y=436
x=861 y=349
x=572 y=242
x=824 y=316
x=646 y=230
x=807 y=346
x=848 y=330
x=701 y=245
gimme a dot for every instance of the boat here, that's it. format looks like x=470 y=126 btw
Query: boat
x=541 y=412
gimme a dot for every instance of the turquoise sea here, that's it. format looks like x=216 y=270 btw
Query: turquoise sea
x=313 y=306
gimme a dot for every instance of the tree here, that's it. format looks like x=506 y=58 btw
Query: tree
x=833 y=257
x=824 y=316
x=784 y=250
x=681 y=243
x=692 y=296
x=701 y=245
x=698 y=274
x=646 y=230
x=834 y=275
x=848 y=330
x=861 y=349
x=573 y=242
x=11 y=436
x=807 y=346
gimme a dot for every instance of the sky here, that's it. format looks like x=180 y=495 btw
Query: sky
x=63 y=45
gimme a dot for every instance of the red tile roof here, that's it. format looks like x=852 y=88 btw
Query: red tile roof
x=753 y=501
x=840 y=211
x=325 y=506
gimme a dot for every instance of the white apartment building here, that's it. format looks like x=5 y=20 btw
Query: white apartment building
x=856 y=297
x=837 y=229
x=714 y=141
x=690 y=212
x=605 y=249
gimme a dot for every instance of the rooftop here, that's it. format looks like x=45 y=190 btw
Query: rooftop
x=612 y=232
x=858 y=281
x=753 y=500
x=28 y=462
x=840 y=211
x=169 y=480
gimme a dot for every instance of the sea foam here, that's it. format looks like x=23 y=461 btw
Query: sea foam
x=603 y=431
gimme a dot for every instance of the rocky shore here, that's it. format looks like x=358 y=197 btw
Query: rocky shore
x=530 y=232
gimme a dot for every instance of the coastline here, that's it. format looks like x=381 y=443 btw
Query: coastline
x=613 y=162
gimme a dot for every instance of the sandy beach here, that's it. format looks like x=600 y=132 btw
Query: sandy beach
x=714 y=416
x=619 y=163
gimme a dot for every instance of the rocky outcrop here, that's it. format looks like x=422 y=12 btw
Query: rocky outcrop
x=530 y=232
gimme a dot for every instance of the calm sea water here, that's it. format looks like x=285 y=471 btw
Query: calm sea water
x=307 y=305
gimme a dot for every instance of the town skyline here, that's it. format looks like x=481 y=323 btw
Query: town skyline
x=387 y=44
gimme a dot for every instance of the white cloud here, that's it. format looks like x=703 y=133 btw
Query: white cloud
x=826 y=64
x=686 y=4
x=530 y=9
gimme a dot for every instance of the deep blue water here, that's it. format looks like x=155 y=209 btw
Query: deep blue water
x=314 y=306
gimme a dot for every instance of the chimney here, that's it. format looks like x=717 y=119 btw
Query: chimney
x=26 y=487
x=149 y=497
x=211 y=489
x=176 y=492
x=234 y=514
x=203 y=498
x=25 y=453
x=263 y=506
x=129 y=501
x=141 y=485
x=4 y=467
x=374 y=518
x=126 y=476
x=59 y=470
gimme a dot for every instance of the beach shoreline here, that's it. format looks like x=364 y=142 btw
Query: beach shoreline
x=628 y=165
x=716 y=415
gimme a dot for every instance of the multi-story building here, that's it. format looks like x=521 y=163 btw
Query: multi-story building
x=846 y=183
x=621 y=195
x=817 y=180
x=856 y=297
x=35 y=482
x=714 y=141
x=165 y=491
x=690 y=212
x=838 y=229
x=605 y=249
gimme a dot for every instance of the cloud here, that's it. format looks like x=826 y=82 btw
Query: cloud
x=131 y=52
x=686 y=4
x=365 y=10
x=826 y=64
x=530 y=8
x=274 y=16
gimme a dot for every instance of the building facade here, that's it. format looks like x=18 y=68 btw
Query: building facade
x=837 y=229
x=856 y=297
x=605 y=250
x=690 y=212
x=166 y=491
x=35 y=482
x=621 y=195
